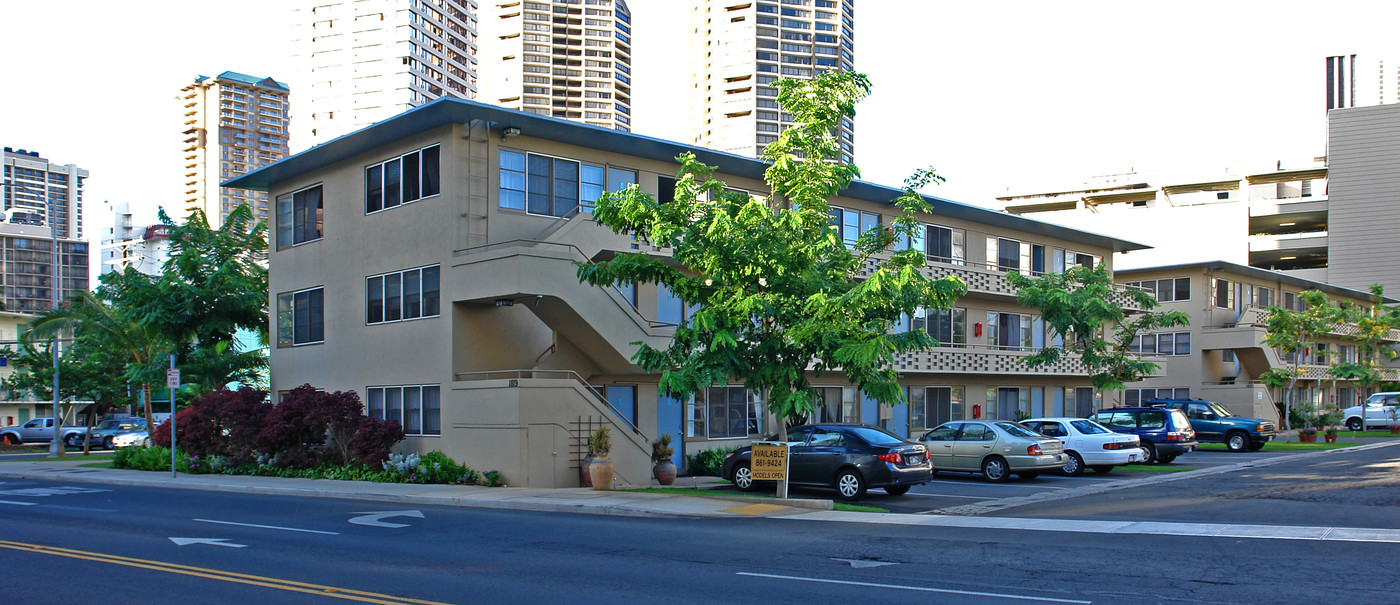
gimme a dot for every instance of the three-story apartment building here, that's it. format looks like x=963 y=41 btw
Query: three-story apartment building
x=428 y=263
x=1221 y=354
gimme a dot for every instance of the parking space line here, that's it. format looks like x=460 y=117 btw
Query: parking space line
x=18 y=503
x=1024 y=485
x=971 y=593
x=308 y=531
x=952 y=496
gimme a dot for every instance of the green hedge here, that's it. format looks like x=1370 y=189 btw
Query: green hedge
x=433 y=467
x=706 y=463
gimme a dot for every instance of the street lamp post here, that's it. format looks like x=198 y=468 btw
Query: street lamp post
x=55 y=446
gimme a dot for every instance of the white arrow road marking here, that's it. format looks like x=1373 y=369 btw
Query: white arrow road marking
x=308 y=531
x=372 y=518
x=859 y=563
x=209 y=541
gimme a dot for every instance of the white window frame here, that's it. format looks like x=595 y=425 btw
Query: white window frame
x=381 y=412
x=402 y=179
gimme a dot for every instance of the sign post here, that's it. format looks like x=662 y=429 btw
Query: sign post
x=770 y=463
x=172 y=382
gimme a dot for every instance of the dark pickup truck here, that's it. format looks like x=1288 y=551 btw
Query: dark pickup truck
x=1215 y=424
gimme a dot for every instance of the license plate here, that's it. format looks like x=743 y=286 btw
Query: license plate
x=916 y=459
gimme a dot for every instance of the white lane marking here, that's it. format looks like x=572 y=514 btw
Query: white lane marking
x=18 y=503
x=309 y=531
x=372 y=518
x=952 y=496
x=863 y=563
x=916 y=588
x=209 y=541
x=60 y=490
x=984 y=484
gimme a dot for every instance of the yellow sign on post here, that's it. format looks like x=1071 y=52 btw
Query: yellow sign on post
x=769 y=462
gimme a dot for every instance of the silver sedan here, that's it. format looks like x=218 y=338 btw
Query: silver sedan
x=995 y=448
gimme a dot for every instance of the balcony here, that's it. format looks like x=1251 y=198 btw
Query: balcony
x=985 y=359
x=982 y=280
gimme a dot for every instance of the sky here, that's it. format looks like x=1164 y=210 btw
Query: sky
x=999 y=97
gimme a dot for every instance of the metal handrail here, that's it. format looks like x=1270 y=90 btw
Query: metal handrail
x=532 y=374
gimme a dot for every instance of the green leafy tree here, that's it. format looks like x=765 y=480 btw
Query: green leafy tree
x=777 y=290
x=1081 y=306
x=116 y=332
x=1292 y=332
x=88 y=371
x=1373 y=325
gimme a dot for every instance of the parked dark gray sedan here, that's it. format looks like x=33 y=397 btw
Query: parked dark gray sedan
x=849 y=458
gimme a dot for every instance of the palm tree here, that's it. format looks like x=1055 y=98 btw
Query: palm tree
x=116 y=330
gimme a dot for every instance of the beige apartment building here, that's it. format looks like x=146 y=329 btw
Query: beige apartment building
x=568 y=59
x=229 y=124
x=740 y=48
x=1221 y=354
x=428 y=264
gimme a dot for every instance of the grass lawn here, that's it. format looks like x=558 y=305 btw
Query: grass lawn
x=1289 y=446
x=1152 y=468
x=686 y=491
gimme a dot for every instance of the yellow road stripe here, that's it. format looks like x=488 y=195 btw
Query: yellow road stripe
x=215 y=574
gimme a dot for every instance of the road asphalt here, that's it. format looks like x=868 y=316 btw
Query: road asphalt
x=632 y=503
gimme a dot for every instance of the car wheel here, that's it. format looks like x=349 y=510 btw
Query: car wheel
x=1237 y=441
x=849 y=484
x=1074 y=465
x=1028 y=475
x=1354 y=424
x=897 y=490
x=109 y=444
x=1103 y=470
x=994 y=469
x=743 y=477
x=1151 y=451
x=1165 y=459
x=74 y=440
x=146 y=442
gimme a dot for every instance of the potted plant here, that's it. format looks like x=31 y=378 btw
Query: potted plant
x=1307 y=435
x=1329 y=422
x=1330 y=434
x=662 y=468
x=601 y=469
x=1395 y=421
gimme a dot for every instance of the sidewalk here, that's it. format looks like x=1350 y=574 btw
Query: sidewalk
x=570 y=500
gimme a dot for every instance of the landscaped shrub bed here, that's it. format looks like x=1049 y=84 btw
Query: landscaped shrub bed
x=311 y=434
x=707 y=463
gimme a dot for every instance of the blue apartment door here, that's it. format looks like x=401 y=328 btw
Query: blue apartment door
x=869 y=410
x=624 y=401
x=898 y=422
x=669 y=414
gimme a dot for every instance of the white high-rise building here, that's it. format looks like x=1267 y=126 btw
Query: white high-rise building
x=1361 y=81
x=230 y=124
x=127 y=244
x=362 y=61
x=32 y=183
x=568 y=59
x=739 y=48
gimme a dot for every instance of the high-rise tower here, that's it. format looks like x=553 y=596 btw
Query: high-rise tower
x=567 y=59
x=362 y=61
x=31 y=183
x=231 y=124
x=740 y=48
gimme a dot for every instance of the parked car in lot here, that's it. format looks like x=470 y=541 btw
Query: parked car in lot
x=849 y=458
x=104 y=434
x=1165 y=433
x=1215 y=424
x=40 y=430
x=1089 y=444
x=130 y=438
x=995 y=448
x=1380 y=411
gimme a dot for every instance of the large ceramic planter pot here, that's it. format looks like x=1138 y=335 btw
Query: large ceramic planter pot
x=665 y=472
x=1395 y=429
x=1307 y=438
x=584 y=478
x=602 y=472
x=1330 y=437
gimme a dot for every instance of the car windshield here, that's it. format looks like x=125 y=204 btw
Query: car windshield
x=1017 y=430
x=875 y=436
x=108 y=424
x=1220 y=411
x=1089 y=427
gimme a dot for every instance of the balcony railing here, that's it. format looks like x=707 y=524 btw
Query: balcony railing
x=985 y=359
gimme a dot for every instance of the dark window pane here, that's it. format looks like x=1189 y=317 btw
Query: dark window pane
x=285 y=320
x=301 y=312
x=375 y=299
x=432 y=411
x=284 y=221
x=374 y=188
x=1008 y=254
x=411 y=178
x=412 y=296
x=430 y=292
x=430 y=172
x=393 y=405
x=317 y=317
x=392 y=187
x=538 y=181
x=412 y=410
x=565 y=187
x=665 y=190
x=393 y=309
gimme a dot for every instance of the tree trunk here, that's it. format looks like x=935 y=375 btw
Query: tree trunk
x=146 y=399
x=91 y=420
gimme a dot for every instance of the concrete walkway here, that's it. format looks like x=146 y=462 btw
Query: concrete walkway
x=582 y=500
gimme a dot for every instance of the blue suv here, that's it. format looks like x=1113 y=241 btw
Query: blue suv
x=1165 y=433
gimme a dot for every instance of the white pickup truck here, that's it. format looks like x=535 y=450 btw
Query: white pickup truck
x=1380 y=411
x=40 y=430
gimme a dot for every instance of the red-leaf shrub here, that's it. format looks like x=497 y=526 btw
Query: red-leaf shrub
x=222 y=423
x=371 y=444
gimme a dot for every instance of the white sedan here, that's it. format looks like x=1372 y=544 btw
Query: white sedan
x=130 y=438
x=1089 y=444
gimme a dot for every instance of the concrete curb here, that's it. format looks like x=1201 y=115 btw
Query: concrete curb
x=982 y=508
